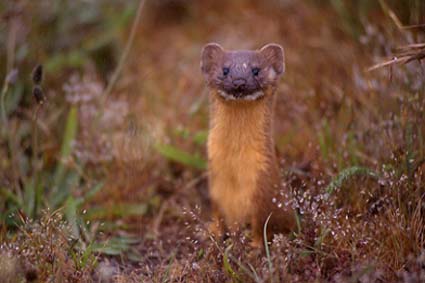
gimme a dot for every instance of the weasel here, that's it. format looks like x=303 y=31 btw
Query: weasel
x=243 y=168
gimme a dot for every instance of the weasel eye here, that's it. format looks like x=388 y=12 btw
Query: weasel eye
x=255 y=71
x=226 y=71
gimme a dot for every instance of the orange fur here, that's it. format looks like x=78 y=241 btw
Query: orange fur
x=236 y=156
x=242 y=164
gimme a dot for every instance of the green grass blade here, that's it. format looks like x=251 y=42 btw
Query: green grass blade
x=227 y=267
x=8 y=195
x=72 y=217
x=90 y=194
x=69 y=135
x=166 y=277
x=70 y=181
x=29 y=198
x=346 y=174
x=319 y=241
x=266 y=247
x=175 y=154
x=115 y=246
x=118 y=210
x=200 y=138
x=248 y=271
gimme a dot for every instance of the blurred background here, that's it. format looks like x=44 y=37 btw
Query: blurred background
x=104 y=118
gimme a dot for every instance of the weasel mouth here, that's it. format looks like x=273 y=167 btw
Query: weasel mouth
x=241 y=95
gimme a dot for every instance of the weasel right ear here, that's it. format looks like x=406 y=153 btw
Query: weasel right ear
x=212 y=53
x=275 y=57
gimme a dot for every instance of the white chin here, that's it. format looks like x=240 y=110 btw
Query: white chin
x=250 y=97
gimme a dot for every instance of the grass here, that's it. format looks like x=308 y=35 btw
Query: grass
x=113 y=188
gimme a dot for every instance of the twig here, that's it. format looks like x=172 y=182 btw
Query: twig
x=403 y=57
x=405 y=53
x=35 y=167
x=411 y=46
x=414 y=26
x=395 y=60
x=34 y=135
x=158 y=219
x=2 y=104
x=195 y=181
x=11 y=44
x=125 y=53
x=391 y=14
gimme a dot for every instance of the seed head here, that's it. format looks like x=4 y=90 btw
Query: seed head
x=37 y=74
x=38 y=94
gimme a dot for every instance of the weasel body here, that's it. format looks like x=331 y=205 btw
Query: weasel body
x=243 y=169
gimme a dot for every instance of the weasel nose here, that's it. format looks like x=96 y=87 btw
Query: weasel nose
x=239 y=83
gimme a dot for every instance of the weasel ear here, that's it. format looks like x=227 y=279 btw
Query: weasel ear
x=274 y=56
x=212 y=53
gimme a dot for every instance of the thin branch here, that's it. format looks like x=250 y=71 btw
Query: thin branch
x=391 y=14
x=395 y=60
x=411 y=46
x=125 y=53
x=414 y=26
x=10 y=60
x=416 y=53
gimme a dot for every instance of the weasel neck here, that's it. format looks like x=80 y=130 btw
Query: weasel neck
x=243 y=125
x=240 y=151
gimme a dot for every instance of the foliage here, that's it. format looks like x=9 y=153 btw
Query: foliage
x=114 y=189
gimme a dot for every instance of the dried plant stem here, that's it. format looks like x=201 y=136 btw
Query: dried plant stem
x=11 y=42
x=35 y=167
x=266 y=247
x=34 y=136
x=10 y=143
x=125 y=53
x=404 y=54
x=417 y=26
x=2 y=105
x=391 y=14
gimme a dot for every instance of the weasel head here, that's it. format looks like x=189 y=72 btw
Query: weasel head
x=242 y=74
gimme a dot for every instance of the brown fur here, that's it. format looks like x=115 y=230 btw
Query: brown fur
x=243 y=169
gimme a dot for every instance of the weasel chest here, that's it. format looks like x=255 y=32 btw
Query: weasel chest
x=237 y=155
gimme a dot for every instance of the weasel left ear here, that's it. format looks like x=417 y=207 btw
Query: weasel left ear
x=212 y=53
x=274 y=56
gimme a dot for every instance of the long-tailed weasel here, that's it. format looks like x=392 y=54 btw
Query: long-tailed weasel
x=242 y=163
